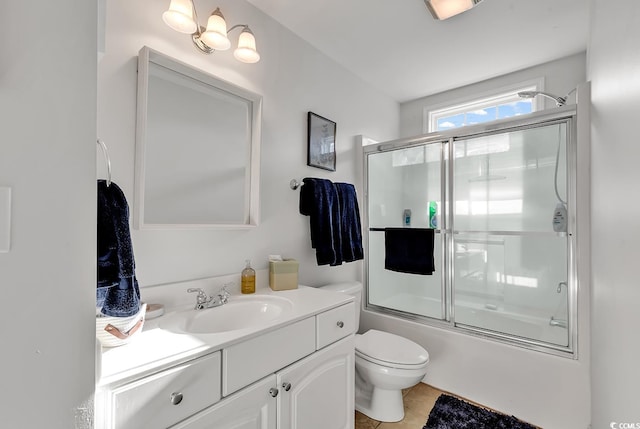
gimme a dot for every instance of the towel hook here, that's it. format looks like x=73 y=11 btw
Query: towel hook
x=103 y=146
x=294 y=184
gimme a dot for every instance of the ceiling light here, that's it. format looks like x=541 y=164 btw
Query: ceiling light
x=443 y=9
x=182 y=17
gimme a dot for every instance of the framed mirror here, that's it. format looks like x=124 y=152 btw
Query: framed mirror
x=197 y=148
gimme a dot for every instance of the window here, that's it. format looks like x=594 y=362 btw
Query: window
x=488 y=108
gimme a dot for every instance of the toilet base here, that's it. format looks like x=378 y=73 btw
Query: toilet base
x=381 y=404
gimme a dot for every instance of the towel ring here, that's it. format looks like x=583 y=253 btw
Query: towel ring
x=103 y=146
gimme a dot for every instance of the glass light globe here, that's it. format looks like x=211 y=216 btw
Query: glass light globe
x=246 y=50
x=216 y=34
x=179 y=16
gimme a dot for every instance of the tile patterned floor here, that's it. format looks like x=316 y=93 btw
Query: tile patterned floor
x=418 y=402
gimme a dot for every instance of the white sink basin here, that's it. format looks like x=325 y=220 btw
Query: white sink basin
x=241 y=312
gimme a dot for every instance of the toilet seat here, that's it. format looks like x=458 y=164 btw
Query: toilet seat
x=394 y=351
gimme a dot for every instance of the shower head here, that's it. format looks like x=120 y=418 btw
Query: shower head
x=560 y=101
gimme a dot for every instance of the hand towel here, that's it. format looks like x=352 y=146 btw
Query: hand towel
x=319 y=201
x=117 y=293
x=409 y=250
x=350 y=226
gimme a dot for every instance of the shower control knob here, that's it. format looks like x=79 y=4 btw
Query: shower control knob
x=340 y=324
x=273 y=392
x=286 y=386
x=176 y=398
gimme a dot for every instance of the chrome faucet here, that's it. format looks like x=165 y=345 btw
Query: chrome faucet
x=204 y=301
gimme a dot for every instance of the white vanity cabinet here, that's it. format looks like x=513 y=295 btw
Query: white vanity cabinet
x=299 y=375
x=314 y=393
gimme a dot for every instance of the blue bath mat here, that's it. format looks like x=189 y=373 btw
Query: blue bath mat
x=452 y=413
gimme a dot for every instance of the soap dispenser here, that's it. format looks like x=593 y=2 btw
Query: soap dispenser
x=560 y=218
x=248 y=279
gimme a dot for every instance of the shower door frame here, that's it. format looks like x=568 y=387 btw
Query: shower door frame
x=567 y=115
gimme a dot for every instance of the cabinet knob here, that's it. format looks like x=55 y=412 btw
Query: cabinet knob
x=286 y=386
x=340 y=324
x=273 y=392
x=176 y=398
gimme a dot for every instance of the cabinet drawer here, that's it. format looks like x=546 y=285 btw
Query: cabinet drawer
x=251 y=360
x=164 y=399
x=335 y=324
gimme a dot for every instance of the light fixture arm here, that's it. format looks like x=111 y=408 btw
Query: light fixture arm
x=245 y=26
x=199 y=44
x=203 y=47
x=195 y=18
x=195 y=37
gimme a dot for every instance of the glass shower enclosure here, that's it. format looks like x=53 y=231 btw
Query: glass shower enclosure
x=504 y=223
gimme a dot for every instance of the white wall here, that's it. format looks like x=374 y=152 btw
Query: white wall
x=559 y=77
x=613 y=66
x=47 y=158
x=47 y=99
x=293 y=78
x=549 y=391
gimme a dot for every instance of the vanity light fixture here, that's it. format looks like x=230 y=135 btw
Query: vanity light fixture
x=182 y=17
x=443 y=9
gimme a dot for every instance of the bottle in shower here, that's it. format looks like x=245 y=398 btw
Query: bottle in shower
x=433 y=215
x=248 y=279
x=406 y=218
x=560 y=218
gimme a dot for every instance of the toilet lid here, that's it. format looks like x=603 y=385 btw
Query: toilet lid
x=390 y=349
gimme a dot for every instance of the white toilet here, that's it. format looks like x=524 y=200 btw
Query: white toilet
x=385 y=364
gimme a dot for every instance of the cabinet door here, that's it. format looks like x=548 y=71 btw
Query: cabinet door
x=318 y=392
x=251 y=408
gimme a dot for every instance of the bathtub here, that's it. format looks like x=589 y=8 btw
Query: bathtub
x=484 y=316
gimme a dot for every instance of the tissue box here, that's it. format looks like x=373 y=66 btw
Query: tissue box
x=283 y=275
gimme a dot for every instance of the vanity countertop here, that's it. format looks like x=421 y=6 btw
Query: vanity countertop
x=155 y=349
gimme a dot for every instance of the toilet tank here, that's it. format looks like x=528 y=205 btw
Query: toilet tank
x=353 y=288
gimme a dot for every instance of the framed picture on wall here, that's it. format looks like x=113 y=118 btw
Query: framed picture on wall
x=321 y=141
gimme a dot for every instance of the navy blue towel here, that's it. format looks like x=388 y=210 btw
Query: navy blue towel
x=350 y=227
x=118 y=293
x=409 y=250
x=319 y=201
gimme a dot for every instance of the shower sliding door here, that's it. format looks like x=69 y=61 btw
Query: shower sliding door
x=510 y=266
x=405 y=179
x=504 y=242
